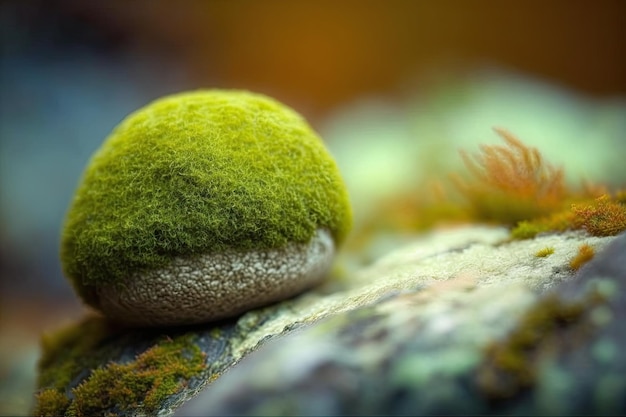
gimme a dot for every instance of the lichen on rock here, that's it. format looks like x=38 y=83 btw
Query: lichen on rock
x=467 y=349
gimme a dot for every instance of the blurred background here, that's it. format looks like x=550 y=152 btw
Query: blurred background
x=395 y=87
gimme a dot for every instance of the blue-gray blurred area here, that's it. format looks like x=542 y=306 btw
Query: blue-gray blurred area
x=65 y=83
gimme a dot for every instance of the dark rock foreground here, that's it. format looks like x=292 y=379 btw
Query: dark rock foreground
x=460 y=322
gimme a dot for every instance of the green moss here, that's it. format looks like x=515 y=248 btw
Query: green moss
x=547 y=251
x=143 y=383
x=64 y=352
x=510 y=363
x=200 y=172
x=556 y=222
x=527 y=230
x=51 y=402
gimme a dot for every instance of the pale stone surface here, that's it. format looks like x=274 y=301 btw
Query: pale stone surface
x=215 y=286
x=485 y=254
x=480 y=254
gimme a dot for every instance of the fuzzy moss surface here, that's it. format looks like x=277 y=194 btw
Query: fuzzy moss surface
x=58 y=363
x=200 y=172
x=78 y=376
x=145 y=382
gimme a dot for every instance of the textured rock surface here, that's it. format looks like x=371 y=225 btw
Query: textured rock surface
x=229 y=283
x=454 y=348
x=460 y=320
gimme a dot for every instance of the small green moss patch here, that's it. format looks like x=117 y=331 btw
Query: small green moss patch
x=51 y=403
x=556 y=222
x=510 y=364
x=64 y=351
x=547 y=251
x=144 y=383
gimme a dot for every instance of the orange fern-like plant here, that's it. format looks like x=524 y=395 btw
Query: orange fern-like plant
x=511 y=183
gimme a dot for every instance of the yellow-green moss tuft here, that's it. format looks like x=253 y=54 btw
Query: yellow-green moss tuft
x=584 y=255
x=143 y=383
x=542 y=253
x=200 y=172
x=63 y=352
x=528 y=230
x=556 y=222
x=51 y=403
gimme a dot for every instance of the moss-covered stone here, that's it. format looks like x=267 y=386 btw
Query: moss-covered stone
x=198 y=173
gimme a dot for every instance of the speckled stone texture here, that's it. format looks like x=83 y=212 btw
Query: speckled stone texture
x=216 y=286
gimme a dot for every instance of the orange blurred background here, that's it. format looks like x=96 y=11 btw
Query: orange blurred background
x=321 y=53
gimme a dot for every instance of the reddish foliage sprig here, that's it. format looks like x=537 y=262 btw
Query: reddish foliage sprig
x=511 y=182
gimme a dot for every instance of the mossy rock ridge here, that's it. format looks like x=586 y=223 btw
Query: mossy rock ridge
x=96 y=367
x=491 y=350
